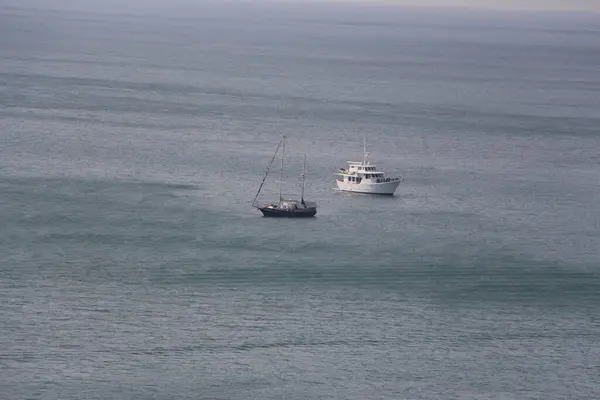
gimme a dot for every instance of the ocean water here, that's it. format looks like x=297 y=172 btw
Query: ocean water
x=134 y=137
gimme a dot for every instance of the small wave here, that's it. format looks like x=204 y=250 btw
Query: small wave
x=325 y=343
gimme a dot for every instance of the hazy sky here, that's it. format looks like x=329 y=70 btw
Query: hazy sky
x=542 y=5
x=547 y=5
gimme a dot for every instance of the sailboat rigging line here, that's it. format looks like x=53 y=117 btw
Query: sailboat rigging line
x=267 y=173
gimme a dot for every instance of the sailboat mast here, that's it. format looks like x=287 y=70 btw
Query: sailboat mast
x=303 y=177
x=281 y=172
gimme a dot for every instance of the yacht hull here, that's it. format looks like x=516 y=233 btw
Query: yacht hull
x=384 y=188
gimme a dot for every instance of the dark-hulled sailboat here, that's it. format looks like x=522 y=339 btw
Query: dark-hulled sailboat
x=286 y=208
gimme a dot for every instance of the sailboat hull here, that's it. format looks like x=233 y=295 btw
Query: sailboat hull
x=273 y=212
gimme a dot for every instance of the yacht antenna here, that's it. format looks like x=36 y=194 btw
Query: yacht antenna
x=365 y=149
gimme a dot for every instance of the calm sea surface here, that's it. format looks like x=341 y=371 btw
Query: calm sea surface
x=132 y=265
